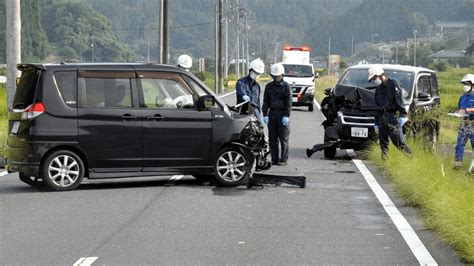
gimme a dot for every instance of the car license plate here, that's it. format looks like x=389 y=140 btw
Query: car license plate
x=359 y=132
x=295 y=99
x=15 y=127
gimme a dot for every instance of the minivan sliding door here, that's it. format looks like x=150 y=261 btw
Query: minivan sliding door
x=110 y=126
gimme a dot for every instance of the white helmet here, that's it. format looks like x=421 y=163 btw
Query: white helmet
x=258 y=66
x=468 y=78
x=277 y=69
x=185 y=61
x=375 y=70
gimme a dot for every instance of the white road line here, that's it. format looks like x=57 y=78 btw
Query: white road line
x=411 y=238
x=85 y=261
x=227 y=94
x=3 y=173
x=176 y=177
x=319 y=108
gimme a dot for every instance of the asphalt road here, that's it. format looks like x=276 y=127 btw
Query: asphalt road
x=336 y=219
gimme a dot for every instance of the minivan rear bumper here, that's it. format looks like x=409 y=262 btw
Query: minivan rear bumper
x=23 y=160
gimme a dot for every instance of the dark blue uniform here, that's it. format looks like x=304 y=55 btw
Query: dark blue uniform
x=389 y=102
x=249 y=87
x=276 y=105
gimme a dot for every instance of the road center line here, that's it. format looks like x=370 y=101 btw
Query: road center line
x=3 y=173
x=85 y=261
x=411 y=238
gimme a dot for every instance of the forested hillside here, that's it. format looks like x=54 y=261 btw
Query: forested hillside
x=127 y=30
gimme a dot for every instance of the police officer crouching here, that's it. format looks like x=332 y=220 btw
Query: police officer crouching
x=391 y=113
x=276 y=114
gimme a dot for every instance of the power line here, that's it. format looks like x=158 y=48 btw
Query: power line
x=172 y=27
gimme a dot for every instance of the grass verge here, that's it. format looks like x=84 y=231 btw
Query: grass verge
x=444 y=195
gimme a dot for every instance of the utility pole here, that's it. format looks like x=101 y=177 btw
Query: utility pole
x=352 y=45
x=226 y=41
x=414 y=52
x=13 y=35
x=329 y=57
x=220 y=72
x=216 y=49
x=264 y=40
x=237 y=24
x=163 y=47
x=396 y=53
x=247 y=29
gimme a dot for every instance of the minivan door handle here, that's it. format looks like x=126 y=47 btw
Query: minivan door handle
x=128 y=117
x=155 y=117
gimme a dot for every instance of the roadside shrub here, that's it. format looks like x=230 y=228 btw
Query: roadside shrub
x=442 y=65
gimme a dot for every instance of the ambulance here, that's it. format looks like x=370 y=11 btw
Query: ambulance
x=299 y=73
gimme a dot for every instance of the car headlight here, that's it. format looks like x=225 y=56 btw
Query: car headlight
x=310 y=89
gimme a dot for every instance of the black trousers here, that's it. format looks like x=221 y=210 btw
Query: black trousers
x=389 y=127
x=278 y=135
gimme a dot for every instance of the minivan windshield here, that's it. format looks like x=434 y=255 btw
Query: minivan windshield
x=301 y=71
x=25 y=90
x=358 y=78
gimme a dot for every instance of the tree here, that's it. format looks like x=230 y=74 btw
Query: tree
x=78 y=32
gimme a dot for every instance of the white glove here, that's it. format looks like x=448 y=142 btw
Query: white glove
x=246 y=98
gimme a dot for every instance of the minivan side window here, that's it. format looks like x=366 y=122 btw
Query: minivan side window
x=66 y=84
x=424 y=84
x=434 y=85
x=197 y=88
x=163 y=90
x=105 y=89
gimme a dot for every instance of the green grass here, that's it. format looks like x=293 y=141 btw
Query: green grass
x=445 y=196
x=427 y=179
x=323 y=83
x=3 y=121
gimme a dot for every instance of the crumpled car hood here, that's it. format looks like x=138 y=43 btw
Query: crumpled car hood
x=358 y=98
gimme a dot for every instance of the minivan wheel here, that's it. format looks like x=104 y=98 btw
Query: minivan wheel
x=63 y=170
x=232 y=167
x=311 y=107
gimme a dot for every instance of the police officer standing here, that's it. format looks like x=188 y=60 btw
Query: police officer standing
x=248 y=89
x=465 y=107
x=276 y=114
x=391 y=113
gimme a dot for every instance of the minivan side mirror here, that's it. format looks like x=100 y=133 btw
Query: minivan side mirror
x=423 y=96
x=327 y=91
x=205 y=102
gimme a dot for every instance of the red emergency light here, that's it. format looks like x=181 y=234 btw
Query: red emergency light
x=303 y=48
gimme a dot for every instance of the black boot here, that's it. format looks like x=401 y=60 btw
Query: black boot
x=309 y=152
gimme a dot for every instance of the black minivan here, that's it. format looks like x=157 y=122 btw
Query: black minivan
x=70 y=121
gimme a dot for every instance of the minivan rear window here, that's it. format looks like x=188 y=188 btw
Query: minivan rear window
x=25 y=90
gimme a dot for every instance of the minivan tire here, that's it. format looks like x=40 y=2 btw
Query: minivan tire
x=233 y=167
x=311 y=107
x=62 y=170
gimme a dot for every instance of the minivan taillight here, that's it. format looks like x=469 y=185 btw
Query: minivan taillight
x=33 y=111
